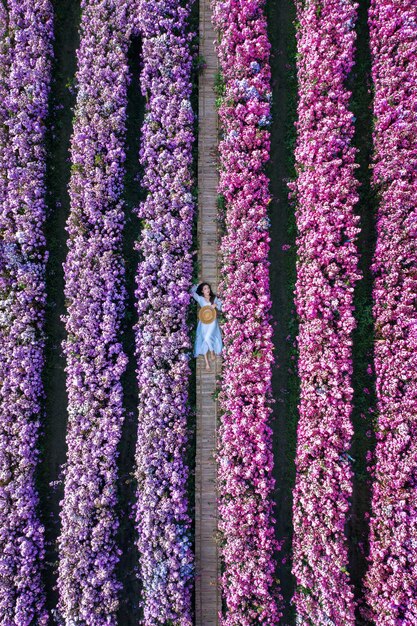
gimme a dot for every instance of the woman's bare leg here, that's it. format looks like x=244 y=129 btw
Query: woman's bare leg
x=212 y=356
x=206 y=360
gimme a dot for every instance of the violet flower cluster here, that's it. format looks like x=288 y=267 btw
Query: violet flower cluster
x=26 y=35
x=391 y=581
x=95 y=300
x=162 y=343
x=244 y=447
x=327 y=267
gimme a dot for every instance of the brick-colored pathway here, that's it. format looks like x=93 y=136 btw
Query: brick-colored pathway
x=208 y=601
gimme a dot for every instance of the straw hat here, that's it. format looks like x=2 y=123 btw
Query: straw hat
x=207 y=314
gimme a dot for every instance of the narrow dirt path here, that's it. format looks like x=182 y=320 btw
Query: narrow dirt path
x=207 y=593
x=285 y=384
x=59 y=128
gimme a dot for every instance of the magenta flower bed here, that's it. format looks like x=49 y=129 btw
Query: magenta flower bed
x=244 y=453
x=162 y=336
x=95 y=294
x=391 y=581
x=325 y=194
x=26 y=34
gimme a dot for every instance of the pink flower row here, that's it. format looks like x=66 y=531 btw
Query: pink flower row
x=95 y=295
x=26 y=34
x=325 y=194
x=162 y=343
x=244 y=454
x=392 y=577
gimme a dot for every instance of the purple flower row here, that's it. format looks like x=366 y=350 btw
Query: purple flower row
x=391 y=581
x=325 y=192
x=95 y=296
x=162 y=342
x=244 y=454
x=26 y=34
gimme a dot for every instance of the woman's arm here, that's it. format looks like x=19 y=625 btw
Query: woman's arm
x=193 y=291
x=218 y=302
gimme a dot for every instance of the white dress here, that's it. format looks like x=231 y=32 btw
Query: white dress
x=208 y=336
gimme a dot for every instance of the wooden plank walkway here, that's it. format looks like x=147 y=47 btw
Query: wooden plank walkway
x=208 y=599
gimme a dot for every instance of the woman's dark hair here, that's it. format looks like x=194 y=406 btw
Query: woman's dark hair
x=199 y=290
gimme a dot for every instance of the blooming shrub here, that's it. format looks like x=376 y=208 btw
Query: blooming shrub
x=26 y=33
x=244 y=452
x=95 y=295
x=162 y=342
x=325 y=194
x=391 y=579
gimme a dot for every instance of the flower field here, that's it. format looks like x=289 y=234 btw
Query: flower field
x=325 y=191
x=244 y=453
x=100 y=156
x=26 y=47
x=162 y=339
x=391 y=579
x=95 y=294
